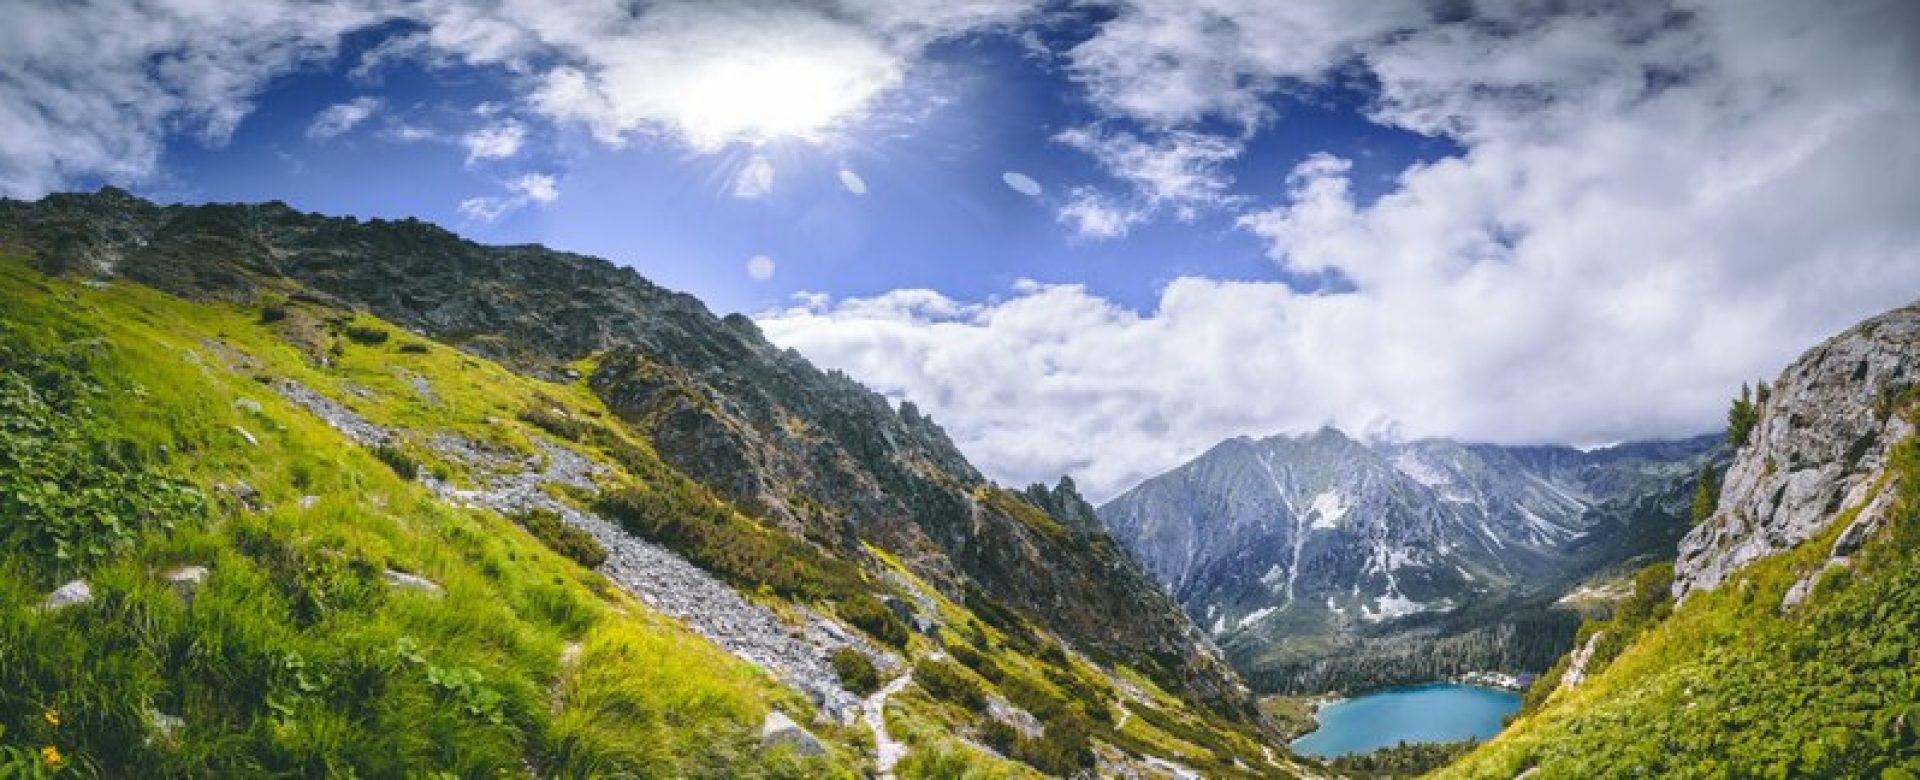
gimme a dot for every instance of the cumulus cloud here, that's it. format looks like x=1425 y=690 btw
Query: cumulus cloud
x=495 y=141
x=522 y=191
x=1178 y=172
x=95 y=90
x=341 y=117
x=1655 y=203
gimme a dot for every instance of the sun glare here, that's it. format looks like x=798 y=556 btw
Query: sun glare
x=776 y=96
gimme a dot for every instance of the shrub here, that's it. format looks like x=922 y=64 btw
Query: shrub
x=366 y=334
x=272 y=313
x=398 y=460
x=980 y=664
x=869 y=614
x=562 y=538
x=855 y=670
x=947 y=681
x=678 y=514
x=414 y=348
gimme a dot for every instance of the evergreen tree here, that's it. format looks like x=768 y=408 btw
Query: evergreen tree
x=1706 y=496
x=1743 y=415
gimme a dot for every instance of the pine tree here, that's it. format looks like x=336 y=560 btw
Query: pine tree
x=1706 y=496
x=1742 y=416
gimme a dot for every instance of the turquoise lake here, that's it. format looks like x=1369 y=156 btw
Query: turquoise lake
x=1442 y=712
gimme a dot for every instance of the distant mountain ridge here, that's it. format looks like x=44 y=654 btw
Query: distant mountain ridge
x=1289 y=549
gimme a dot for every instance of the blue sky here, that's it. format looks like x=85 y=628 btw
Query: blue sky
x=1494 y=221
x=936 y=213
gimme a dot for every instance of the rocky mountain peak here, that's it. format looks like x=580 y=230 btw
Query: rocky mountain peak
x=1821 y=442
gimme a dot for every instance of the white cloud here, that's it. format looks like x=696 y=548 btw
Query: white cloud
x=1092 y=214
x=1171 y=63
x=1021 y=183
x=496 y=141
x=341 y=117
x=1178 y=172
x=760 y=268
x=853 y=182
x=92 y=90
x=525 y=190
x=755 y=179
x=96 y=89
x=1651 y=208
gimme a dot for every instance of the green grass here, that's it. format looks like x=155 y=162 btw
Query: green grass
x=1728 y=686
x=296 y=658
x=120 y=410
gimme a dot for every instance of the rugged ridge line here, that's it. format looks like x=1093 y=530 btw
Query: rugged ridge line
x=1822 y=439
x=811 y=452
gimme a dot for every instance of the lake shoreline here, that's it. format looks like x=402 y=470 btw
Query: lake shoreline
x=1322 y=705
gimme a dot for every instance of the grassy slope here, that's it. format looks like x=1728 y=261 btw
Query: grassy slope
x=1729 y=687
x=294 y=658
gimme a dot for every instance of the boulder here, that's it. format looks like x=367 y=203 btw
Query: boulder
x=185 y=580
x=778 y=729
x=401 y=580
x=71 y=594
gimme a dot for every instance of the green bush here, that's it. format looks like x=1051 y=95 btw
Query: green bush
x=855 y=670
x=681 y=516
x=947 y=681
x=272 y=313
x=871 y=615
x=398 y=460
x=562 y=538
x=414 y=348
x=368 y=335
x=972 y=659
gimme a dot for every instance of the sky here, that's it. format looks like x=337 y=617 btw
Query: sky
x=1097 y=237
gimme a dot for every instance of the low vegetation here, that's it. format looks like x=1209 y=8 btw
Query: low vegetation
x=1732 y=685
x=564 y=539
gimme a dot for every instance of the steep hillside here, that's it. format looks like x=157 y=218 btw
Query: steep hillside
x=366 y=498
x=1322 y=563
x=1791 y=650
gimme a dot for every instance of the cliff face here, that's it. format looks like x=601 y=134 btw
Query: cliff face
x=1820 y=445
x=811 y=452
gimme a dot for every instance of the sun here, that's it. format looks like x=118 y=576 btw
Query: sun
x=770 y=95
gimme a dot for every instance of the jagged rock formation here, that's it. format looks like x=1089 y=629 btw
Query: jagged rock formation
x=1285 y=548
x=1821 y=442
x=811 y=452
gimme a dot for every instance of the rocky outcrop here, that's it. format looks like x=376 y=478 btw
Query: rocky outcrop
x=1821 y=442
x=810 y=452
x=1577 y=665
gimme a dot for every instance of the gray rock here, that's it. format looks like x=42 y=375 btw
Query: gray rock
x=404 y=581
x=248 y=405
x=72 y=594
x=1818 y=449
x=164 y=725
x=243 y=493
x=1804 y=586
x=1577 y=666
x=778 y=729
x=185 y=580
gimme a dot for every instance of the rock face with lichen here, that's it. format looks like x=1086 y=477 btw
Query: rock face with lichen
x=1822 y=440
x=810 y=452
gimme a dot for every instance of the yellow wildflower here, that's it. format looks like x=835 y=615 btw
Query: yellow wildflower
x=50 y=756
x=52 y=717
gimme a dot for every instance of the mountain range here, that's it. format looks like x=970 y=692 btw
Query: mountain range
x=391 y=423
x=1306 y=556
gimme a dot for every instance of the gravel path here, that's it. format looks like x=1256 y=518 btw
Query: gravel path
x=652 y=573
x=887 y=751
